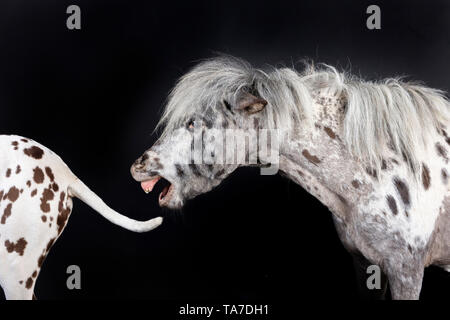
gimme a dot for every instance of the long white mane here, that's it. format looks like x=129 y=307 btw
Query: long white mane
x=390 y=112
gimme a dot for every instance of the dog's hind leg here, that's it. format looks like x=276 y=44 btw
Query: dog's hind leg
x=18 y=285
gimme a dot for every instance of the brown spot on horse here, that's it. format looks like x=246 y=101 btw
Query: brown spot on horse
x=392 y=204
x=426 y=179
x=372 y=172
x=55 y=187
x=441 y=151
x=403 y=191
x=8 y=173
x=329 y=132
x=311 y=158
x=29 y=283
x=444 y=176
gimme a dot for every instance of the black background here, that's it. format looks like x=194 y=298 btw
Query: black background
x=94 y=96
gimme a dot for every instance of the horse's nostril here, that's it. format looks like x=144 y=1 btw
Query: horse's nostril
x=141 y=162
x=138 y=166
x=143 y=159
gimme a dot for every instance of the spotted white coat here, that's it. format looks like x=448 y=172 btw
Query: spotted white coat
x=36 y=191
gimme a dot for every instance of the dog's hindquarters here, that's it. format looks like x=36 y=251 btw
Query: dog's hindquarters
x=36 y=190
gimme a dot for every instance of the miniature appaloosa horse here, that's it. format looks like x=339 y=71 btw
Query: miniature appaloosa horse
x=375 y=153
x=36 y=191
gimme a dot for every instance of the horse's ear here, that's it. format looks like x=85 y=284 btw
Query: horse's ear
x=251 y=104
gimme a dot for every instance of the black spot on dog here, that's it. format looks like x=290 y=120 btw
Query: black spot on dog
x=6 y=213
x=13 y=194
x=38 y=175
x=47 y=195
x=55 y=187
x=329 y=132
x=64 y=213
x=34 y=152
x=29 y=283
x=447 y=138
x=49 y=173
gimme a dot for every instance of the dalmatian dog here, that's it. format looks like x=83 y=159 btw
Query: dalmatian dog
x=36 y=191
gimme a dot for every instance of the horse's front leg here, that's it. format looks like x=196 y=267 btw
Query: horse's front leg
x=405 y=279
x=361 y=265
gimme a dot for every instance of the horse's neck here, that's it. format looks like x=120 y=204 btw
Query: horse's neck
x=317 y=158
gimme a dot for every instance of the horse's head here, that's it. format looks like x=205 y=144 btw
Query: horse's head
x=210 y=123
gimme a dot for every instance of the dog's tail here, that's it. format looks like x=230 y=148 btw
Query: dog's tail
x=81 y=191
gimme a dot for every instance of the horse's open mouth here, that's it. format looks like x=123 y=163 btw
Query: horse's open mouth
x=167 y=189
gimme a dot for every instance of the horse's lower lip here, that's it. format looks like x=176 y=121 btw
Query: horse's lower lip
x=164 y=198
x=165 y=195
